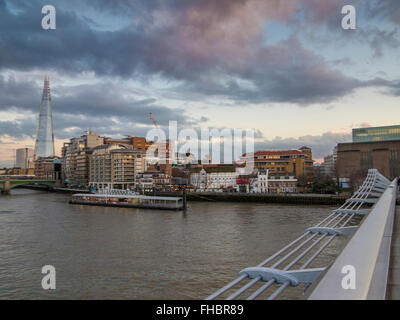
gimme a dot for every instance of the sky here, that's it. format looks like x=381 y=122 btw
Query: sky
x=285 y=68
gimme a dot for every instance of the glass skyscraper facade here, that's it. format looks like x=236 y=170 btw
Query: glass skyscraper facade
x=376 y=134
x=44 y=144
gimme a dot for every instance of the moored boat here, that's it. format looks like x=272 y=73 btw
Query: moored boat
x=127 y=199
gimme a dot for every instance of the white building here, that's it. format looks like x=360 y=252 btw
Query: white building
x=227 y=177
x=264 y=183
x=261 y=183
x=214 y=177
x=282 y=184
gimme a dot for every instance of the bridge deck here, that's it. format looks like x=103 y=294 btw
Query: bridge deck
x=393 y=288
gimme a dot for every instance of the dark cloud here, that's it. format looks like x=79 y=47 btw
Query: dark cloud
x=322 y=145
x=213 y=47
x=104 y=99
x=19 y=94
x=208 y=48
x=385 y=9
x=379 y=39
x=394 y=88
x=103 y=107
x=371 y=30
x=18 y=129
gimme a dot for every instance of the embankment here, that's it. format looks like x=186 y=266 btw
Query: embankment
x=304 y=199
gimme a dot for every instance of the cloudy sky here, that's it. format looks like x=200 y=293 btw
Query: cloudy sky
x=285 y=68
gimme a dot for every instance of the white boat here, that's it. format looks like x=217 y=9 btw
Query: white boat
x=127 y=199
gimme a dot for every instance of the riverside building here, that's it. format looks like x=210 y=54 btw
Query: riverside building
x=263 y=182
x=115 y=166
x=137 y=143
x=375 y=147
x=375 y=134
x=75 y=158
x=76 y=155
x=214 y=177
x=48 y=168
x=297 y=162
x=354 y=159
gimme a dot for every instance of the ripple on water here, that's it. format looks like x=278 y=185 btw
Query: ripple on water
x=124 y=253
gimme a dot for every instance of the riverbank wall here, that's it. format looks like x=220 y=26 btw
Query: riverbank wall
x=298 y=198
x=304 y=199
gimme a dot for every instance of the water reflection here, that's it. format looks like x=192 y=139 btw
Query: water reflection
x=119 y=253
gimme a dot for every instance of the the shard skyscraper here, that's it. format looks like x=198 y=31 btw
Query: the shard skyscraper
x=44 y=144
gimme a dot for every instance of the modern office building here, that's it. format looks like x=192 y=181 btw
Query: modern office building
x=44 y=144
x=115 y=166
x=375 y=134
x=24 y=158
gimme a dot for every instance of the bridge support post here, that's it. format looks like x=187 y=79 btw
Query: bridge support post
x=6 y=187
x=184 y=200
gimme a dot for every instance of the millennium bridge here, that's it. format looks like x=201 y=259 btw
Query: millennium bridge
x=368 y=267
x=10 y=182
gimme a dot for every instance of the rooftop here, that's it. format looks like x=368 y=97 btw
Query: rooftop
x=277 y=152
x=209 y=168
x=124 y=196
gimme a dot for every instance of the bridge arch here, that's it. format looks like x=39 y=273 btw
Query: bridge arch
x=7 y=184
x=44 y=183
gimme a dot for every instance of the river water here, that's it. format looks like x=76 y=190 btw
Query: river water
x=120 y=253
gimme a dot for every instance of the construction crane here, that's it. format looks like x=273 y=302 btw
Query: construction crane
x=164 y=144
x=154 y=120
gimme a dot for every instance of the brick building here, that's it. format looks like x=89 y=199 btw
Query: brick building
x=48 y=168
x=354 y=159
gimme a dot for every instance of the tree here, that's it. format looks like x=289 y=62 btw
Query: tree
x=325 y=186
x=357 y=177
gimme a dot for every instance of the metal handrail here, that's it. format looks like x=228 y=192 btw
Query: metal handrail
x=367 y=254
x=338 y=218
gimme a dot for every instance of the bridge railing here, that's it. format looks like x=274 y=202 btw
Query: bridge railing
x=289 y=266
x=366 y=256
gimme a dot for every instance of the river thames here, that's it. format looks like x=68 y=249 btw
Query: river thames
x=120 y=253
